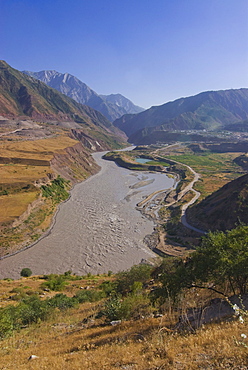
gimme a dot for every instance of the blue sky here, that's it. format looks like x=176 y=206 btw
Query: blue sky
x=151 y=51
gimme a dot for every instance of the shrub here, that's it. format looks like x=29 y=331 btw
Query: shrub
x=68 y=273
x=112 y=309
x=137 y=273
x=222 y=258
x=32 y=310
x=135 y=306
x=26 y=272
x=54 y=282
x=62 y=302
x=6 y=321
x=57 y=190
x=219 y=264
x=89 y=295
x=109 y=287
x=173 y=275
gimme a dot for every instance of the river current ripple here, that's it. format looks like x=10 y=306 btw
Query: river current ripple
x=98 y=229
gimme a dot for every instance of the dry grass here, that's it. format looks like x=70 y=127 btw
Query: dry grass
x=13 y=205
x=17 y=173
x=75 y=339
x=36 y=149
x=67 y=343
x=17 y=189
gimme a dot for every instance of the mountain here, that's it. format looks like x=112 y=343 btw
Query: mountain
x=223 y=209
x=122 y=102
x=111 y=106
x=43 y=134
x=211 y=110
x=238 y=127
x=22 y=95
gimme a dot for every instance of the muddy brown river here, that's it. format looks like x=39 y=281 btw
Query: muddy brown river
x=98 y=229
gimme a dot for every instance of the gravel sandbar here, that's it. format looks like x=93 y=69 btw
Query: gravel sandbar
x=98 y=229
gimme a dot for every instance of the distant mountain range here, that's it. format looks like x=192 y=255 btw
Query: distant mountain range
x=211 y=110
x=111 y=106
x=224 y=209
x=23 y=95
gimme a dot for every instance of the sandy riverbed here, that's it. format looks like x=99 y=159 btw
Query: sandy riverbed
x=98 y=229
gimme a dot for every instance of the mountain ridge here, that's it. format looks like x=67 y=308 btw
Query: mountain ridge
x=23 y=96
x=209 y=110
x=111 y=106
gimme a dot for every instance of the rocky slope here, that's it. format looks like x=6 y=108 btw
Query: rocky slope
x=111 y=106
x=223 y=209
x=22 y=95
x=211 y=110
x=122 y=102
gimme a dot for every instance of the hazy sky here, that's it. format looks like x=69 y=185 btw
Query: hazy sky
x=151 y=51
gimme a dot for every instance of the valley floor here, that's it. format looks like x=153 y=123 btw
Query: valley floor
x=98 y=229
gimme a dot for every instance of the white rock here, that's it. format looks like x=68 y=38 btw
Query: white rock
x=33 y=357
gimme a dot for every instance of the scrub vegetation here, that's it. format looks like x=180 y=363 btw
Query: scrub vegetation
x=132 y=318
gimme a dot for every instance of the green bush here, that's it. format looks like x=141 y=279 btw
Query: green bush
x=54 y=282
x=32 y=310
x=57 y=190
x=174 y=277
x=7 y=323
x=112 y=309
x=133 y=306
x=89 y=295
x=62 y=302
x=26 y=272
x=222 y=258
x=137 y=273
x=109 y=287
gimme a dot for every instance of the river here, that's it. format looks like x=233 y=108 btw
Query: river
x=98 y=229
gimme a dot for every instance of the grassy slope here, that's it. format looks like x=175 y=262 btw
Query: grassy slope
x=208 y=214
x=17 y=176
x=76 y=339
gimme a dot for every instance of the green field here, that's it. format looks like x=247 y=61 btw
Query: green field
x=216 y=169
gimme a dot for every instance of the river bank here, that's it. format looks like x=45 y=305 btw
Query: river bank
x=98 y=229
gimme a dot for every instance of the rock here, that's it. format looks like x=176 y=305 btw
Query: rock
x=115 y=322
x=33 y=357
x=156 y=315
x=217 y=310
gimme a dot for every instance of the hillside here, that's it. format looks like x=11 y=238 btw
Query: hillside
x=211 y=110
x=239 y=126
x=111 y=106
x=22 y=95
x=223 y=209
x=130 y=320
x=43 y=134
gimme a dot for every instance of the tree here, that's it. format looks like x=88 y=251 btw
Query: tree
x=222 y=258
x=126 y=279
x=26 y=272
x=220 y=264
